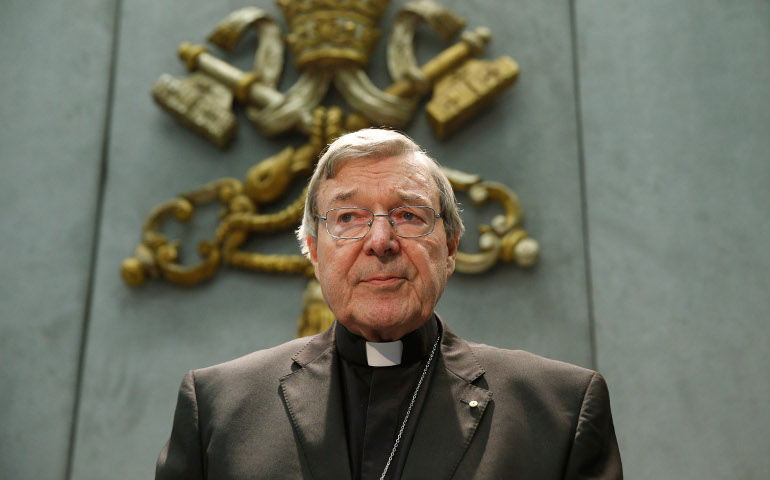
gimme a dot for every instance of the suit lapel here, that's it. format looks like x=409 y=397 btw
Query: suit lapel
x=313 y=399
x=448 y=419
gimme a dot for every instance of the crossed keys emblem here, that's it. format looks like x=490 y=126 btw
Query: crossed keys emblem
x=331 y=41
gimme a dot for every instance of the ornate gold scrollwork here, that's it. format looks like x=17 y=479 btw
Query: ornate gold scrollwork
x=158 y=257
x=331 y=41
x=316 y=316
x=504 y=238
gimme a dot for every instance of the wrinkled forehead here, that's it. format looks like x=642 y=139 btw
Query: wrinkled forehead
x=418 y=187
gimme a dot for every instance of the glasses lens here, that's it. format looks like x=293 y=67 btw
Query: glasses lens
x=413 y=221
x=348 y=222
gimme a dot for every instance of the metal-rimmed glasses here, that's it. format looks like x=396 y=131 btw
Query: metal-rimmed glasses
x=411 y=221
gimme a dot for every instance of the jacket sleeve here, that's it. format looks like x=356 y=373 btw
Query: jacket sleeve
x=180 y=458
x=594 y=454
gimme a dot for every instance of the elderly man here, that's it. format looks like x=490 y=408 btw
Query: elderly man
x=389 y=391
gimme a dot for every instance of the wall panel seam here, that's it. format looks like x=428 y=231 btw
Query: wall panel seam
x=583 y=184
x=97 y=223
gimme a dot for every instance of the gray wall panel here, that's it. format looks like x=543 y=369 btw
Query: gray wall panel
x=529 y=142
x=55 y=70
x=675 y=102
x=141 y=341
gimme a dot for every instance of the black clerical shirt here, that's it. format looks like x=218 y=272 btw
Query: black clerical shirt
x=376 y=399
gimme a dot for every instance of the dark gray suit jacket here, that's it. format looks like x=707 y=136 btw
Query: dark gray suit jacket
x=277 y=414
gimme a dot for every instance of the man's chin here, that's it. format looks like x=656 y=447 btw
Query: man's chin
x=385 y=325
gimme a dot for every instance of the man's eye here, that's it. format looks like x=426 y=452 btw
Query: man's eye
x=346 y=217
x=408 y=216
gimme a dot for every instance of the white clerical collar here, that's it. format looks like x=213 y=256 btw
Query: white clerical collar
x=384 y=354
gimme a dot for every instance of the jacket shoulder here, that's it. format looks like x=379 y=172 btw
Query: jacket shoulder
x=533 y=375
x=249 y=371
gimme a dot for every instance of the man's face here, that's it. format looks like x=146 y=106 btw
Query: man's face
x=382 y=286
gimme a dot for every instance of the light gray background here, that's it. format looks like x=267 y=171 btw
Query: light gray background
x=636 y=138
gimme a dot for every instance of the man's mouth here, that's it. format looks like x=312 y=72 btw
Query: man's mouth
x=382 y=280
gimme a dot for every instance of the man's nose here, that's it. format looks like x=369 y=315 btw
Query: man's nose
x=382 y=239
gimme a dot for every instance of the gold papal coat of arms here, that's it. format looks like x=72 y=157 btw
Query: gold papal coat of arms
x=331 y=41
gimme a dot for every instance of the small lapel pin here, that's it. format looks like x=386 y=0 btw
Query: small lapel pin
x=473 y=404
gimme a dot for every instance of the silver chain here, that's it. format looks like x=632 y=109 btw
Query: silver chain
x=409 y=410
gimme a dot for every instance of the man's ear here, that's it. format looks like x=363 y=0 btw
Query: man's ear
x=451 y=245
x=312 y=248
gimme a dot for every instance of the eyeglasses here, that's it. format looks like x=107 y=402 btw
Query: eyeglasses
x=408 y=222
